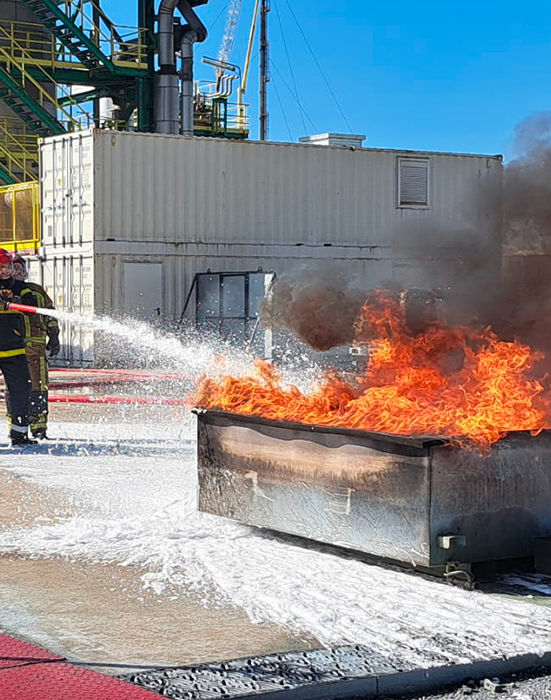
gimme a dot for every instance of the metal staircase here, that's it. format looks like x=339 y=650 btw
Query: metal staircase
x=84 y=29
x=33 y=94
x=41 y=107
x=75 y=43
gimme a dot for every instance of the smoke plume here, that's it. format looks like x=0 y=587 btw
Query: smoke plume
x=526 y=264
x=491 y=277
x=319 y=306
x=527 y=185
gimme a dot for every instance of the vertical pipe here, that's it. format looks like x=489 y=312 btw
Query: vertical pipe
x=166 y=94
x=96 y=20
x=264 y=77
x=146 y=21
x=187 y=104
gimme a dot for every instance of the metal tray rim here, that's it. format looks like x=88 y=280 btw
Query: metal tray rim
x=419 y=441
x=423 y=441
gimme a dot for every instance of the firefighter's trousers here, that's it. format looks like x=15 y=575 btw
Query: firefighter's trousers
x=18 y=384
x=38 y=368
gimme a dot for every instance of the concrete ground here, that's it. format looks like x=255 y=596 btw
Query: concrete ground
x=103 y=559
x=102 y=612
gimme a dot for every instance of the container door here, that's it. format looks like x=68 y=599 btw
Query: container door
x=143 y=289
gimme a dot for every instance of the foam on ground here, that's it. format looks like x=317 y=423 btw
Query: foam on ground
x=132 y=496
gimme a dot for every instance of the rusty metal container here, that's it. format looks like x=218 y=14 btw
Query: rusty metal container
x=418 y=500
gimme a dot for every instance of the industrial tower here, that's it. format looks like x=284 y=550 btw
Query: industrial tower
x=65 y=67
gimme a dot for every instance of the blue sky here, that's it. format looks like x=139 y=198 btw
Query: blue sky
x=430 y=75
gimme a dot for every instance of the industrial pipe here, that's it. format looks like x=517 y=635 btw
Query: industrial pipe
x=166 y=82
x=167 y=58
x=187 y=107
x=194 y=32
x=166 y=96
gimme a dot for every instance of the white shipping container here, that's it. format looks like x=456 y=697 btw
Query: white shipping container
x=69 y=280
x=153 y=210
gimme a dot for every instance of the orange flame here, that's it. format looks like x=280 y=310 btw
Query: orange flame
x=452 y=382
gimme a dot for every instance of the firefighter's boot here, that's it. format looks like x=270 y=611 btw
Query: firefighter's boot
x=19 y=439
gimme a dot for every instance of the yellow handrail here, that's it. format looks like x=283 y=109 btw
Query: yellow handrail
x=20 y=217
x=206 y=104
x=115 y=41
x=19 y=148
x=43 y=97
x=44 y=49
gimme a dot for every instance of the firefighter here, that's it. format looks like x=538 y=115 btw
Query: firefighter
x=13 y=360
x=42 y=337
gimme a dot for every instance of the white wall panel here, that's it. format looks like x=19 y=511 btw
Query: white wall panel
x=151 y=187
x=192 y=204
x=69 y=280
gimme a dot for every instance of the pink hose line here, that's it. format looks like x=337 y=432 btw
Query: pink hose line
x=131 y=374
x=127 y=400
x=56 y=385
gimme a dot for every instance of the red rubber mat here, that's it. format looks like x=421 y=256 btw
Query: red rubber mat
x=30 y=673
x=13 y=652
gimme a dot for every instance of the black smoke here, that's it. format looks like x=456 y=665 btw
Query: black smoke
x=498 y=277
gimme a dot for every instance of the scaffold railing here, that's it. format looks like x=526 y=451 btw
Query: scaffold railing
x=18 y=151
x=17 y=62
x=216 y=116
x=124 y=46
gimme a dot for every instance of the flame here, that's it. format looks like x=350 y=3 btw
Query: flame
x=454 y=382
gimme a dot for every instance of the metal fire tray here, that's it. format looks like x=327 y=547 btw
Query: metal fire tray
x=418 y=500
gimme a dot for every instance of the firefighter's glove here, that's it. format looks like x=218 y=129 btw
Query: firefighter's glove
x=6 y=296
x=53 y=346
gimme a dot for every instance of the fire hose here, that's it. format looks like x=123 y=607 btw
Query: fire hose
x=16 y=306
x=127 y=400
x=140 y=400
x=121 y=400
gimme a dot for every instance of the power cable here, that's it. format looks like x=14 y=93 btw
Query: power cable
x=282 y=110
x=219 y=16
x=294 y=96
x=319 y=67
x=290 y=65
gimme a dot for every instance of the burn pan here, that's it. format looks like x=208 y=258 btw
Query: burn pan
x=417 y=500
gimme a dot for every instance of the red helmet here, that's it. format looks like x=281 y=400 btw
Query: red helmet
x=5 y=257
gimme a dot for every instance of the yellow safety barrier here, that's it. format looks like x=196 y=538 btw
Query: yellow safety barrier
x=20 y=217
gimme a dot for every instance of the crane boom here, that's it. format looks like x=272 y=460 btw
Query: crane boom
x=232 y=20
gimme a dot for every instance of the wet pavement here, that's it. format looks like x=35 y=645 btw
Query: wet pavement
x=101 y=613
x=84 y=574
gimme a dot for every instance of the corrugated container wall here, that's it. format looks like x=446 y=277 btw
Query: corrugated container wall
x=180 y=206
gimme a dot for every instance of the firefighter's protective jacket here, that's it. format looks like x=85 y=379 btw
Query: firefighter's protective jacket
x=13 y=326
x=40 y=327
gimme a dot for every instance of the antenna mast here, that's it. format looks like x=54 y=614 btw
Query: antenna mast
x=264 y=70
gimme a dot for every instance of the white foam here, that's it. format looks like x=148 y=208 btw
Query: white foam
x=136 y=507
